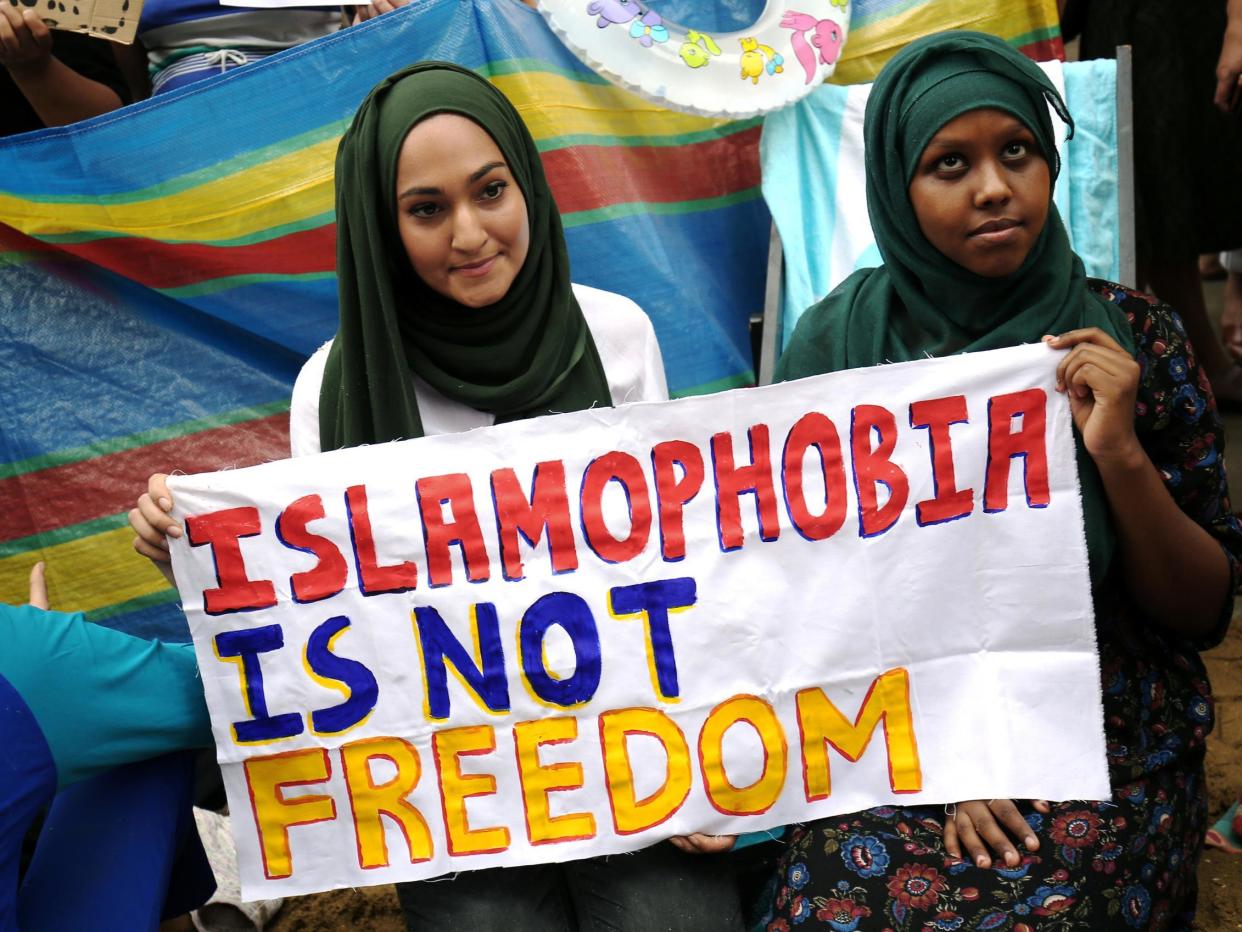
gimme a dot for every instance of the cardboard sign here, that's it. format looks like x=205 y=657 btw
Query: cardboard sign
x=584 y=633
x=116 y=20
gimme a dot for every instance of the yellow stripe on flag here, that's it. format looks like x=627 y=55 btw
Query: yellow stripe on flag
x=85 y=574
x=869 y=47
x=288 y=189
x=553 y=105
x=298 y=185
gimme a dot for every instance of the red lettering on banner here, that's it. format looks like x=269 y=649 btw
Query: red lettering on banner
x=328 y=576
x=373 y=579
x=626 y=470
x=733 y=481
x=455 y=491
x=672 y=493
x=548 y=509
x=949 y=502
x=873 y=467
x=814 y=430
x=1028 y=442
x=222 y=530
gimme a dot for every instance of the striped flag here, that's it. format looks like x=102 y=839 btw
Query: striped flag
x=165 y=269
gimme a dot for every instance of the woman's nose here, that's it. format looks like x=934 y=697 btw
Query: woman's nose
x=993 y=185
x=469 y=235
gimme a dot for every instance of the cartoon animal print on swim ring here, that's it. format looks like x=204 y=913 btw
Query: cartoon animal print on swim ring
x=824 y=34
x=687 y=69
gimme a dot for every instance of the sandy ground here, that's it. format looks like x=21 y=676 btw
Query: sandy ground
x=1220 y=875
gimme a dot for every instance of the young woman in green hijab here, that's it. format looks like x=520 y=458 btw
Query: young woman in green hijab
x=457 y=311
x=961 y=157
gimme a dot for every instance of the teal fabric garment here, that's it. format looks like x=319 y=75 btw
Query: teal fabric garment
x=101 y=698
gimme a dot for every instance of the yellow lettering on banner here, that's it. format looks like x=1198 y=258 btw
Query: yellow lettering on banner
x=450 y=745
x=371 y=801
x=274 y=813
x=821 y=724
x=763 y=793
x=630 y=814
x=538 y=780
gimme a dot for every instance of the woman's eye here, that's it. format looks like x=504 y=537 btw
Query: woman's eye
x=1016 y=150
x=424 y=210
x=494 y=190
x=950 y=163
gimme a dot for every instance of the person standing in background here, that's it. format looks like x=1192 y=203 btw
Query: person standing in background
x=1187 y=147
x=50 y=81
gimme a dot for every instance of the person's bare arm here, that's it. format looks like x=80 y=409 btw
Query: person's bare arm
x=1174 y=569
x=376 y=8
x=58 y=94
x=1229 y=65
x=132 y=60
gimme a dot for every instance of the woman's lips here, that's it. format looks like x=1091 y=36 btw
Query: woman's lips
x=475 y=269
x=996 y=231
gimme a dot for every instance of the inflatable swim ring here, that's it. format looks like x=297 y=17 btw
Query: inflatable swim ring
x=791 y=48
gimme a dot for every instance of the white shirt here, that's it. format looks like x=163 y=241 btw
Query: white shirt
x=623 y=335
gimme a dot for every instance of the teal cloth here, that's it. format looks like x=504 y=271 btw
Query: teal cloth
x=102 y=698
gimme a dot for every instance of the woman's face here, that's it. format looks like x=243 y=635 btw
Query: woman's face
x=461 y=216
x=981 y=192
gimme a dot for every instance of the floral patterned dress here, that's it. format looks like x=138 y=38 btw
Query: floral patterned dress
x=1128 y=863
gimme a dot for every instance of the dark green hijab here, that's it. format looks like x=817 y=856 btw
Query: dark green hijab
x=920 y=303
x=528 y=354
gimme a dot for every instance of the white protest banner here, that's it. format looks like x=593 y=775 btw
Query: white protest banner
x=581 y=634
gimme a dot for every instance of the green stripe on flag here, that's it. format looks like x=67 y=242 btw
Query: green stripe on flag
x=1035 y=35
x=659 y=209
x=63 y=535
x=553 y=143
x=223 y=169
x=227 y=282
x=141 y=439
x=738 y=380
x=260 y=236
x=163 y=597
x=527 y=65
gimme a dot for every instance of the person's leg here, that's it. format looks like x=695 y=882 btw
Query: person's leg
x=28 y=785
x=756 y=879
x=515 y=899
x=658 y=889
x=1176 y=282
x=1231 y=316
x=112 y=839
x=1210 y=269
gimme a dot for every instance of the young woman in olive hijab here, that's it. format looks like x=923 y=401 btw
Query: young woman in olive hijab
x=961 y=157
x=528 y=353
x=457 y=311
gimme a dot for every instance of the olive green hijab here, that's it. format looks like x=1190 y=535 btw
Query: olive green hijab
x=920 y=303
x=528 y=354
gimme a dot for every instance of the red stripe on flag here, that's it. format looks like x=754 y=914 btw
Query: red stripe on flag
x=173 y=265
x=61 y=496
x=590 y=177
x=1052 y=49
x=12 y=240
